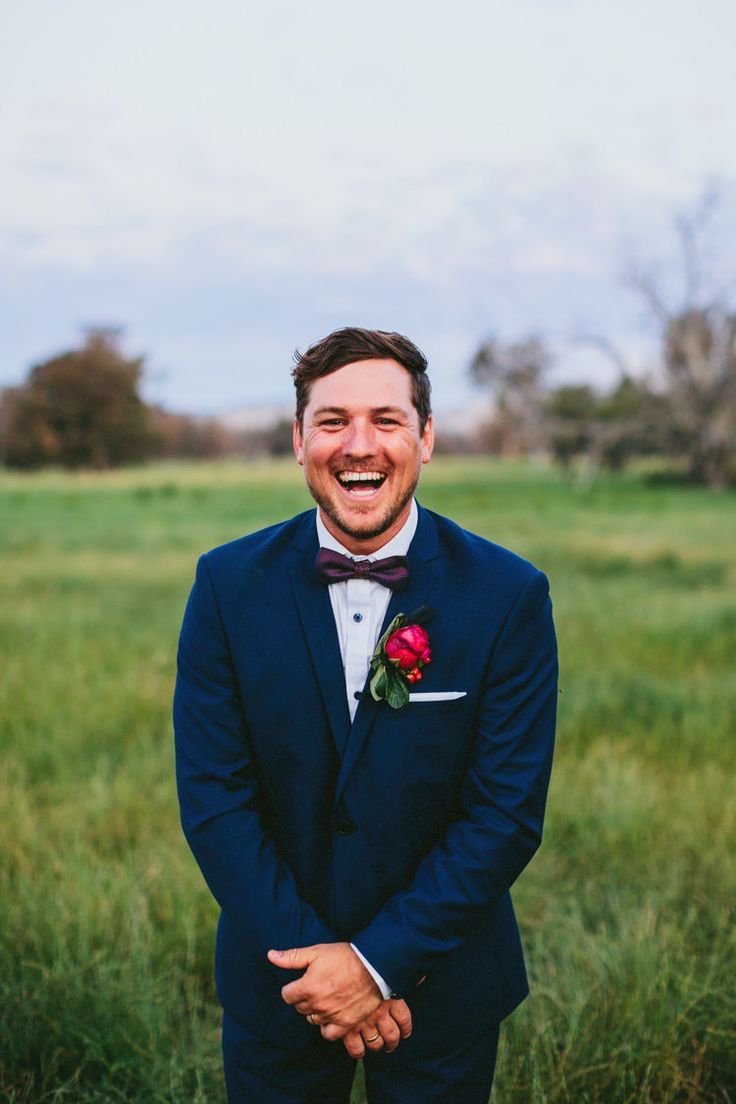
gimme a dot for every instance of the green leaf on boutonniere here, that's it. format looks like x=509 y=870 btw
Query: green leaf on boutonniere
x=397 y=693
x=378 y=683
x=386 y=683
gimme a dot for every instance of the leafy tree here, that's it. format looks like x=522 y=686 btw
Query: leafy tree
x=629 y=421
x=570 y=418
x=79 y=409
x=608 y=430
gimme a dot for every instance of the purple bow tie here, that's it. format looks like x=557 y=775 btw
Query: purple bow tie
x=333 y=567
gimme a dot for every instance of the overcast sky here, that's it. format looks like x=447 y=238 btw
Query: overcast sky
x=231 y=182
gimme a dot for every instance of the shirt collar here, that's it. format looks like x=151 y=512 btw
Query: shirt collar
x=397 y=546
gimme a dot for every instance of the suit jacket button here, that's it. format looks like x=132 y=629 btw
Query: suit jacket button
x=344 y=827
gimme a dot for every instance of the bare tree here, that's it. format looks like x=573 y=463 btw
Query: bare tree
x=690 y=413
x=698 y=354
x=514 y=375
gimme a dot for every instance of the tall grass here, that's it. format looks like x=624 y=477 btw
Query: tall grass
x=628 y=913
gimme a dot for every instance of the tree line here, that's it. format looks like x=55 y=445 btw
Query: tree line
x=687 y=417
x=83 y=408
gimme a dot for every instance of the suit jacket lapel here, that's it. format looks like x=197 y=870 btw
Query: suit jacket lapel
x=320 y=631
x=424 y=564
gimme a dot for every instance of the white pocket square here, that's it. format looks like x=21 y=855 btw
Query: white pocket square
x=436 y=695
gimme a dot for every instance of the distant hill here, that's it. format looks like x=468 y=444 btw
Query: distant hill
x=261 y=416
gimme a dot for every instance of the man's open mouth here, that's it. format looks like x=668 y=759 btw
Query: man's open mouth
x=360 y=484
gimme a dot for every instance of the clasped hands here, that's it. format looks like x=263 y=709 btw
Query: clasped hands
x=342 y=999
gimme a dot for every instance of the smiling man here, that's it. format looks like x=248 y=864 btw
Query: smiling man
x=361 y=844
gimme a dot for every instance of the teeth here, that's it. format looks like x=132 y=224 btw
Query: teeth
x=363 y=477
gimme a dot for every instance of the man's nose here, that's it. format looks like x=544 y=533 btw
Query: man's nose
x=361 y=439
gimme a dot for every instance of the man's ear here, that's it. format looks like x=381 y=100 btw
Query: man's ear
x=428 y=440
x=298 y=442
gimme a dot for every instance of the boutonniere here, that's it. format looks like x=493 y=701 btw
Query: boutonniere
x=399 y=657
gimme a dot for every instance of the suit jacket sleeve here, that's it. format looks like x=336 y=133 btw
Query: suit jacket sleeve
x=499 y=825
x=219 y=793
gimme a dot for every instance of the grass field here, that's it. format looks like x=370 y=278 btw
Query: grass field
x=628 y=912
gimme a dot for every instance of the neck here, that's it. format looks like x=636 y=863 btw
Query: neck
x=364 y=547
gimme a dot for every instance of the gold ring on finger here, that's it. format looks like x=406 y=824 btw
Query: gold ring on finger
x=373 y=1038
x=311 y=1019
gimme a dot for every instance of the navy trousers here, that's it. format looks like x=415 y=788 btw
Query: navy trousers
x=442 y=1062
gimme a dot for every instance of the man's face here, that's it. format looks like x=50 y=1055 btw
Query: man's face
x=360 y=421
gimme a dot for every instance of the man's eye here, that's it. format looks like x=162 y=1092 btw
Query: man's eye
x=331 y=422
x=387 y=421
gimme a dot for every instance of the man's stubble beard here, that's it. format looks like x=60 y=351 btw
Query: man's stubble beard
x=392 y=512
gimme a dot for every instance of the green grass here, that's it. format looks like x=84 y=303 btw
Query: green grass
x=628 y=913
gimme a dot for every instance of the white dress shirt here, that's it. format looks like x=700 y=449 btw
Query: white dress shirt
x=359 y=607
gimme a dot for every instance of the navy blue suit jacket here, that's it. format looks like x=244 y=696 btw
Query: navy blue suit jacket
x=401 y=832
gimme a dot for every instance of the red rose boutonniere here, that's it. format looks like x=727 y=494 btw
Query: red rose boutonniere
x=399 y=657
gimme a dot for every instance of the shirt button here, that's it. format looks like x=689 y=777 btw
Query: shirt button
x=357 y=617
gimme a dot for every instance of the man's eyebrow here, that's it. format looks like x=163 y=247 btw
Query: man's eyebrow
x=389 y=410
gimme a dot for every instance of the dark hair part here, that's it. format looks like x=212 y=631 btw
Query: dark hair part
x=352 y=343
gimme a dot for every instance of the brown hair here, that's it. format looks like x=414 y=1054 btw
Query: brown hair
x=352 y=343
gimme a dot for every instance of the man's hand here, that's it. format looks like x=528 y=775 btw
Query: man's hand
x=336 y=991
x=391 y=1022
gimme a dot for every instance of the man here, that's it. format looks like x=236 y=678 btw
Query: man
x=362 y=851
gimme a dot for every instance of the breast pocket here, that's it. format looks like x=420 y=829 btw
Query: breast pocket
x=430 y=707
